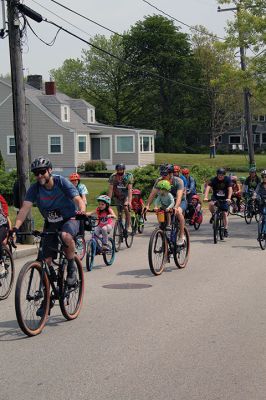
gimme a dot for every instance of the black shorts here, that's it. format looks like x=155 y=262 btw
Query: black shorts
x=50 y=242
x=223 y=205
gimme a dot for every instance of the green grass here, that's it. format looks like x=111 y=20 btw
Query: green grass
x=232 y=161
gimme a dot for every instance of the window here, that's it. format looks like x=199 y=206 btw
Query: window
x=261 y=118
x=264 y=138
x=125 y=144
x=234 y=139
x=65 y=113
x=55 y=144
x=82 y=144
x=11 y=145
x=219 y=139
x=256 y=138
x=146 y=144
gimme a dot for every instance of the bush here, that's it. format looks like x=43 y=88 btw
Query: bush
x=202 y=175
x=7 y=180
x=144 y=178
x=95 y=166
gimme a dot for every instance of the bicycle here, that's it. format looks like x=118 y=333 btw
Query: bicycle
x=95 y=246
x=218 y=221
x=251 y=209
x=80 y=246
x=162 y=245
x=195 y=220
x=137 y=222
x=6 y=282
x=39 y=286
x=235 y=209
x=121 y=232
x=262 y=225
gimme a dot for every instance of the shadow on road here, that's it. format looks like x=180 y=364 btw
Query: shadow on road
x=9 y=331
x=138 y=273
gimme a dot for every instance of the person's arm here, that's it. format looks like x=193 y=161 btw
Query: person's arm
x=84 y=198
x=179 y=195
x=110 y=190
x=79 y=203
x=206 y=194
x=23 y=212
x=192 y=185
x=230 y=192
x=129 y=193
x=91 y=213
x=112 y=213
x=153 y=193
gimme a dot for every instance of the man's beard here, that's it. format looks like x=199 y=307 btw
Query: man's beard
x=44 y=181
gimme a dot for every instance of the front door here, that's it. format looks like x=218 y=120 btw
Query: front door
x=100 y=148
x=95 y=148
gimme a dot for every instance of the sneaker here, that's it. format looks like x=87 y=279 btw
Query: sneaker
x=180 y=241
x=225 y=233
x=40 y=310
x=2 y=269
x=71 y=274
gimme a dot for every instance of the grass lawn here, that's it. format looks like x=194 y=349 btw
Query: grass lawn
x=231 y=161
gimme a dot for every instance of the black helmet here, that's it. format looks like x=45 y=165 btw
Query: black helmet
x=39 y=163
x=163 y=170
x=120 y=166
x=170 y=168
x=221 y=171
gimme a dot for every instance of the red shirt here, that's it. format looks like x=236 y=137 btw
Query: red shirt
x=137 y=203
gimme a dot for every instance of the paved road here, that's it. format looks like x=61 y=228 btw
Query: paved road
x=197 y=333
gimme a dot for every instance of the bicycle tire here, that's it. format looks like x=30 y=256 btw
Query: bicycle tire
x=156 y=236
x=257 y=213
x=221 y=228
x=6 y=283
x=196 y=226
x=65 y=293
x=91 y=251
x=109 y=255
x=129 y=237
x=140 y=225
x=215 y=228
x=182 y=250
x=34 y=268
x=248 y=214
x=117 y=236
x=80 y=246
x=261 y=235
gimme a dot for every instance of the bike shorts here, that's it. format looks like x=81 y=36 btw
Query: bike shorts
x=50 y=242
x=224 y=206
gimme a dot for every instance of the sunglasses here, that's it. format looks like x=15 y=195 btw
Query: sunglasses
x=40 y=172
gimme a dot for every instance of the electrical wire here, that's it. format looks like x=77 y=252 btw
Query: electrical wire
x=181 y=22
x=43 y=41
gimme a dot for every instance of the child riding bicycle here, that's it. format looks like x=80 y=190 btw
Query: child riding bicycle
x=164 y=200
x=137 y=204
x=105 y=215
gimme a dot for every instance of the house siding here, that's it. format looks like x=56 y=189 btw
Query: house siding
x=7 y=129
x=4 y=92
x=146 y=158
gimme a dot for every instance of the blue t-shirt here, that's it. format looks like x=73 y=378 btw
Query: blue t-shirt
x=55 y=204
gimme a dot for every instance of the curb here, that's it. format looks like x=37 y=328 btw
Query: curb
x=21 y=253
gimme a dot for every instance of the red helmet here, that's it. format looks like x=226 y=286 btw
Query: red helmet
x=177 y=168
x=74 y=177
x=136 y=191
x=185 y=171
x=195 y=197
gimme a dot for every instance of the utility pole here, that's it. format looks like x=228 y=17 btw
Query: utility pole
x=19 y=104
x=246 y=92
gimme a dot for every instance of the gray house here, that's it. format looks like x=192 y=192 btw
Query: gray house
x=65 y=130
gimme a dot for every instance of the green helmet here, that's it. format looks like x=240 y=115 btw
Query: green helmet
x=164 y=185
x=242 y=179
x=104 y=198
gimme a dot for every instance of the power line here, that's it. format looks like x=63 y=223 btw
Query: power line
x=181 y=22
x=43 y=41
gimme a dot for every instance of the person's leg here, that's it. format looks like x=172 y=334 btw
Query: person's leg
x=105 y=234
x=68 y=232
x=3 y=235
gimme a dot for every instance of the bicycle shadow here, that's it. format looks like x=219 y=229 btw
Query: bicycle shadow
x=138 y=273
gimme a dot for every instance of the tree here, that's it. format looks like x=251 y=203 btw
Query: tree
x=161 y=80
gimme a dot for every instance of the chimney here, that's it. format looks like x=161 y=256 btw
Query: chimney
x=50 y=88
x=35 y=81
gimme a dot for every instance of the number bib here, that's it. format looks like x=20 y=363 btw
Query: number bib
x=54 y=216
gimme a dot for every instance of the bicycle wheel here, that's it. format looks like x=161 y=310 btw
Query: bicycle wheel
x=157 y=251
x=117 y=236
x=196 y=225
x=140 y=224
x=91 y=250
x=261 y=235
x=256 y=212
x=80 y=247
x=181 y=253
x=232 y=207
x=248 y=214
x=129 y=237
x=221 y=228
x=70 y=298
x=215 y=226
x=109 y=254
x=6 y=282
x=32 y=293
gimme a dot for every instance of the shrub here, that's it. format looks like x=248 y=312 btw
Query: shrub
x=144 y=178
x=7 y=180
x=91 y=166
x=202 y=175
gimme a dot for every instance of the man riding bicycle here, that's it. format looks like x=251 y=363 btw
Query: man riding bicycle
x=57 y=200
x=221 y=186
x=120 y=187
x=250 y=183
x=177 y=190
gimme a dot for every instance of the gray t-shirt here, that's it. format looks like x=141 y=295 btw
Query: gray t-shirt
x=176 y=184
x=164 y=201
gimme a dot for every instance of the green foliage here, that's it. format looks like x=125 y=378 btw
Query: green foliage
x=202 y=175
x=7 y=180
x=144 y=178
x=95 y=166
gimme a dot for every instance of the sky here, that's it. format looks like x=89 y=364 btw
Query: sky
x=118 y=15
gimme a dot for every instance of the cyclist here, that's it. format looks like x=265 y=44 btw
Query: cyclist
x=197 y=211
x=177 y=172
x=164 y=200
x=250 y=183
x=120 y=187
x=236 y=191
x=82 y=189
x=105 y=214
x=177 y=190
x=260 y=192
x=221 y=186
x=57 y=200
x=137 y=203
x=4 y=227
x=191 y=184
